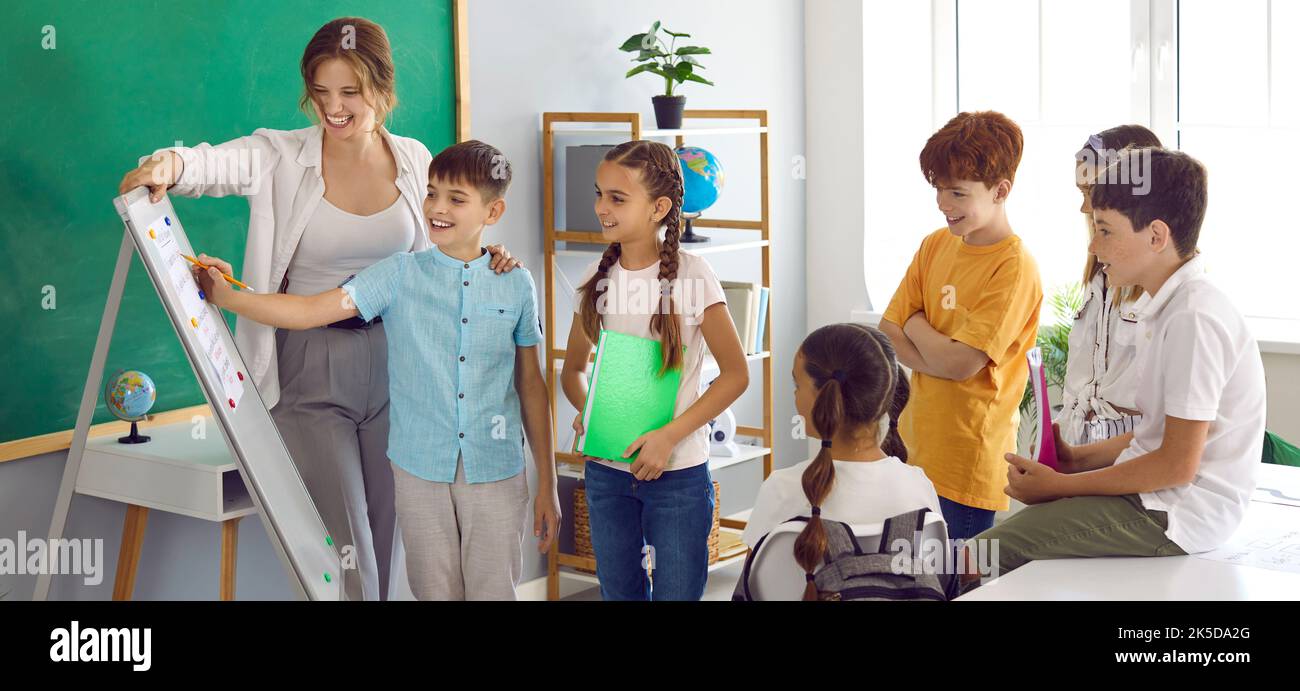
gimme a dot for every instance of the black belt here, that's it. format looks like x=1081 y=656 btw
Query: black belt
x=355 y=323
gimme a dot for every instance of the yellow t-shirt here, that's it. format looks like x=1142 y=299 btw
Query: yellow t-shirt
x=987 y=297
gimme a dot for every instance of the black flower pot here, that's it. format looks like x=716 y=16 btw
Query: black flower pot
x=668 y=111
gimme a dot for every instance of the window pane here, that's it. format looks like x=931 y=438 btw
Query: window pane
x=997 y=57
x=1226 y=108
x=1223 y=62
x=1250 y=237
x=1087 y=86
x=1286 y=64
x=1087 y=75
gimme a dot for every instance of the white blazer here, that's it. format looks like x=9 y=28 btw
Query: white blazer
x=279 y=172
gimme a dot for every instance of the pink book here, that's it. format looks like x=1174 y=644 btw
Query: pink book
x=1042 y=449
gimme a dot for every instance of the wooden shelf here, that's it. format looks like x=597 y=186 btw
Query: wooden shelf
x=711 y=365
x=727 y=235
x=681 y=132
x=590 y=245
x=624 y=123
x=174 y=472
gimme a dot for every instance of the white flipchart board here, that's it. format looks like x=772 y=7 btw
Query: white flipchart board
x=269 y=473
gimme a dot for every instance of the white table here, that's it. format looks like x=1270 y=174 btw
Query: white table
x=1161 y=578
x=174 y=472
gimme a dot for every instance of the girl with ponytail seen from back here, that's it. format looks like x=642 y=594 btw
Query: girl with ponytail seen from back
x=849 y=391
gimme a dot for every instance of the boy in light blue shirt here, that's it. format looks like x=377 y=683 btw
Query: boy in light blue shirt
x=464 y=378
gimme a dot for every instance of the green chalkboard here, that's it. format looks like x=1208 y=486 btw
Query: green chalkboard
x=94 y=85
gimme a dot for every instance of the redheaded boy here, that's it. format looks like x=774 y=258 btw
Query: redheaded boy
x=963 y=318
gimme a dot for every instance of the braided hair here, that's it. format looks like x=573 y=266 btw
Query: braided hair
x=859 y=382
x=661 y=176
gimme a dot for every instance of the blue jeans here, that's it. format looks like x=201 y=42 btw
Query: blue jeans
x=672 y=514
x=964 y=522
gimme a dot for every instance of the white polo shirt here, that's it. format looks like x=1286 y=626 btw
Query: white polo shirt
x=1198 y=361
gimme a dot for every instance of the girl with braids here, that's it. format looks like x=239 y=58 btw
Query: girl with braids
x=656 y=511
x=850 y=390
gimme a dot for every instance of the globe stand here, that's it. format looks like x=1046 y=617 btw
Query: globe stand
x=134 y=437
x=690 y=236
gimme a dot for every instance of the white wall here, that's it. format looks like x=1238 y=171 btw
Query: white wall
x=836 y=140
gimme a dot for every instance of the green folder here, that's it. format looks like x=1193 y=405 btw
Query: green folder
x=626 y=397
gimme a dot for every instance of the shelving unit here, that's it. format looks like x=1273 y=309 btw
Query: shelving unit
x=732 y=236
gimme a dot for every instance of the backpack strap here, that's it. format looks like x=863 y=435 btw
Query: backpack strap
x=840 y=540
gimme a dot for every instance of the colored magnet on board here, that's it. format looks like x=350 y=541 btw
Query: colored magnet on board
x=194 y=322
x=240 y=375
x=167 y=220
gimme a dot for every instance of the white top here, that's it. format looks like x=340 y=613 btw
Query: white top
x=337 y=244
x=864 y=492
x=1100 y=372
x=1198 y=361
x=629 y=302
x=279 y=172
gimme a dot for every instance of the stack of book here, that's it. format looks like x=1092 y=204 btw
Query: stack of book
x=747 y=303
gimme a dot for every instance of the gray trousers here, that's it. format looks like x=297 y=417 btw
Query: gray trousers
x=333 y=417
x=463 y=541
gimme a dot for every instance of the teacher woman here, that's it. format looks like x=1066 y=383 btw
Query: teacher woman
x=325 y=202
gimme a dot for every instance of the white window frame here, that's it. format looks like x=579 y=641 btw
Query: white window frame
x=1154 y=78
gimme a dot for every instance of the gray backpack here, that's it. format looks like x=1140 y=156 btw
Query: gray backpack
x=849 y=573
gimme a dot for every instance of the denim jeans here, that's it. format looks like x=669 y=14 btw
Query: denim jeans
x=964 y=522
x=672 y=514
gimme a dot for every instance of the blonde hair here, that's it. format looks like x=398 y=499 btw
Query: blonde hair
x=364 y=46
x=1107 y=141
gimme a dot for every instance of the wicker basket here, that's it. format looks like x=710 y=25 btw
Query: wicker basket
x=582 y=526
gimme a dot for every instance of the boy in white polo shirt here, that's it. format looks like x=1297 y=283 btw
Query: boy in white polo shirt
x=1180 y=482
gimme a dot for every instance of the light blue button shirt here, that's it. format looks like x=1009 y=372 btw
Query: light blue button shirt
x=452 y=330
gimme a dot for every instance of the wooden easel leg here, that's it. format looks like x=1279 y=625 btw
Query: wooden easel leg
x=128 y=553
x=229 y=543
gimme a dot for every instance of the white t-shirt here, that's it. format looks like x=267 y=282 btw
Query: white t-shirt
x=863 y=492
x=337 y=244
x=1100 y=372
x=1198 y=361
x=629 y=304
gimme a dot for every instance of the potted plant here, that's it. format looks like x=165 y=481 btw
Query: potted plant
x=675 y=65
x=1054 y=341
